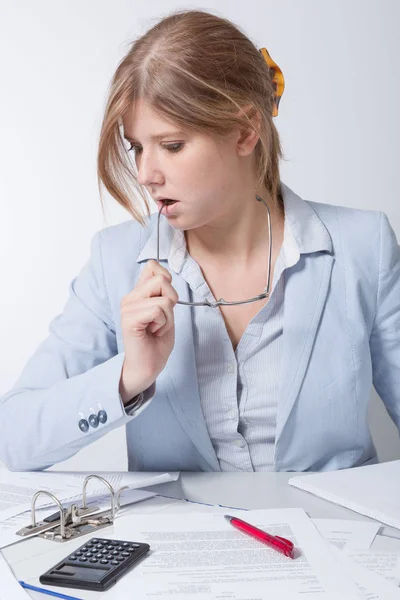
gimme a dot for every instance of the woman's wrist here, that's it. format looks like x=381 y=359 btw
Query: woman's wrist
x=127 y=393
x=130 y=387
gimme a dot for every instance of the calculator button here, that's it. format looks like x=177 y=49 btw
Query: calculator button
x=120 y=548
x=115 y=553
x=93 y=560
x=114 y=562
x=99 y=546
x=99 y=555
x=109 y=547
x=78 y=553
x=119 y=558
x=104 y=551
x=125 y=544
x=125 y=554
x=72 y=557
x=104 y=561
x=109 y=556
x=83 y=559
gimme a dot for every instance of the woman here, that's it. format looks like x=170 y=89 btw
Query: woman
x=278 y=383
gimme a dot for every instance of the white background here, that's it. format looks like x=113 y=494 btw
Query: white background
x=339 y=123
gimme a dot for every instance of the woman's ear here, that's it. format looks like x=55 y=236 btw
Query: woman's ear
x=247 y=136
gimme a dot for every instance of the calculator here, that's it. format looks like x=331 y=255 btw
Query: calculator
x=96 y=565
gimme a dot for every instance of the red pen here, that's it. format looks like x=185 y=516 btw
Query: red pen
x=274 y=541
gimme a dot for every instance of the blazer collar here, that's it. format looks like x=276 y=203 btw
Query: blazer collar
x=309 y=233
x=308 y=230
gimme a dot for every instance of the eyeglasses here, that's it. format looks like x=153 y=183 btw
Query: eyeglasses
x=221 y=301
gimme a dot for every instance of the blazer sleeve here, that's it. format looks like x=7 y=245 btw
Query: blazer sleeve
x=52 y=410
x=385 y=334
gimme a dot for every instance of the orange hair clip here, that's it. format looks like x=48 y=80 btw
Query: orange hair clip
x=278 y=80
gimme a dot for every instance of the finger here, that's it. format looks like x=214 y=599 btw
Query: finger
x=153 y=268
x=157 y=286
x=152 y=313
x=139 y=320
x=159 y=328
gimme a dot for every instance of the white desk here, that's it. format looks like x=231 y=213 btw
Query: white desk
x=32 y=557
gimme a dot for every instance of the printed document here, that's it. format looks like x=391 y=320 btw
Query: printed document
x=343 y=533
x=17 y=489
x=371 y=585
x=348 y=535
x=385 y=564
x=202 y=557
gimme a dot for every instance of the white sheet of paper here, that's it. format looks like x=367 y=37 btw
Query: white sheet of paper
x=385 y=564
x=372 y=586
x=202 y=557
x=342 y=533
x=9 y=586
x=17 y=490
x=348 y=535
x=9 y=527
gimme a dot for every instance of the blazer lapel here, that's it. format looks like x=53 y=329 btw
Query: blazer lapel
x=181 y=379
x=306 y=288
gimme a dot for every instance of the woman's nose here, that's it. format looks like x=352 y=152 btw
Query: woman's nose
x=148 y=170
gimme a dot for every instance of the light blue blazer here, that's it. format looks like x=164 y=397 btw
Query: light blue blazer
x=341 y=335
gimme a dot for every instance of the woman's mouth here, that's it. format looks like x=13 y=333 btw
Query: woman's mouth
x=166 y=206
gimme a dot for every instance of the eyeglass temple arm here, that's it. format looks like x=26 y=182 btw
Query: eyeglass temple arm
x=221 y=301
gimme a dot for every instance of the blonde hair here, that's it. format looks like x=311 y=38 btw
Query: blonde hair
x=201 y=72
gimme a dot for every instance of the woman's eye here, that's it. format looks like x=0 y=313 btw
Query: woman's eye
x=170 y=147
x=174 y=147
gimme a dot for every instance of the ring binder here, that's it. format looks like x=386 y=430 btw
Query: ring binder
x=73 y=521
